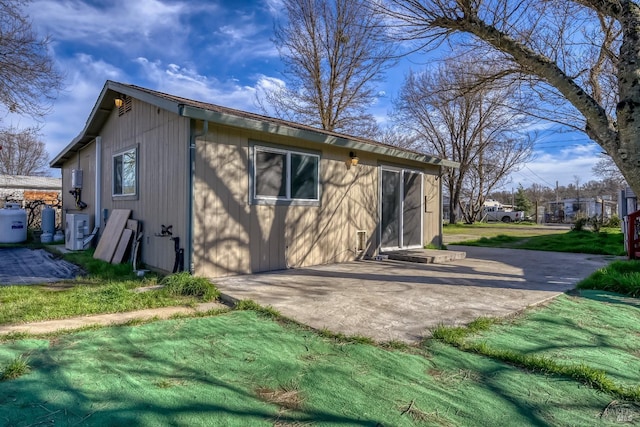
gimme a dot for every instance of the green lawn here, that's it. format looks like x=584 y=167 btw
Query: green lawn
x=607 y=242
x=482 y=229
x=106 y=288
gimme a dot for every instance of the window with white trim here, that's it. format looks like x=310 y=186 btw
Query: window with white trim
x=284 y=175
x=125 y=173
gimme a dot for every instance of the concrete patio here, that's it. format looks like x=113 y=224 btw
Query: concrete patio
x=398 y=300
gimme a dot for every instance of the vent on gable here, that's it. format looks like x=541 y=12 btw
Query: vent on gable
x=125 y=107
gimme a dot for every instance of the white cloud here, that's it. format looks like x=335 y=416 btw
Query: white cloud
x=188 y=83
x=275 y=8
x=84 y=80
x=269 y=83
x=239 y=32
x=243 y=41
x=121 y=23
x=561 y=166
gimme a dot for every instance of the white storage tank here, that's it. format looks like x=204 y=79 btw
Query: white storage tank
x=13 y=224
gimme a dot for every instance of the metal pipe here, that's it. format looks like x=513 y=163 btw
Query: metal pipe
x=98 y=185
x=441 y=210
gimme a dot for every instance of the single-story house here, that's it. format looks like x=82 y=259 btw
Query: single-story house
x=568 y=210
x=246 y=193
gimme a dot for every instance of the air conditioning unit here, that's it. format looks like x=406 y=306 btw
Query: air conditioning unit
x=76 y=231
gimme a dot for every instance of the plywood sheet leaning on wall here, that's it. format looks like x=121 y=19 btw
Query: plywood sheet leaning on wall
x=133 y=225
x=122 y=247
x=111 y=235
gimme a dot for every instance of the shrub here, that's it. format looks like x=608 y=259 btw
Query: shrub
x=613 y=222
x=187 y=285
x=595 y=224
x=580 y=224
x=16 y=368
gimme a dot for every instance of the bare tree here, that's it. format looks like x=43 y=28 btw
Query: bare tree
x=28 y=79
x=396 y=134
x=469 y=126
x=22 y=152
x=580 y=59
x=333 y=53
x=606 y=187
x=607 y=170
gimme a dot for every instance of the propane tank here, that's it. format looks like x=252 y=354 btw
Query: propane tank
x=48 y=220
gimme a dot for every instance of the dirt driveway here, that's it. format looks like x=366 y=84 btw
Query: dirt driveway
x=395 y=300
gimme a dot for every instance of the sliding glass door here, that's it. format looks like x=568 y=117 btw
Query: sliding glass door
x=401 y=208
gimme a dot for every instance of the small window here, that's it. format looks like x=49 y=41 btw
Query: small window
x=282 y=175
x=125 y=173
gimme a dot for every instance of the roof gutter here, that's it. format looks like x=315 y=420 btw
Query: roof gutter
x=308 y=135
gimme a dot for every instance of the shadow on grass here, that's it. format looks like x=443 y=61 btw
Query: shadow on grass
x=608 y=297
x=149 y=376
x=214 y=371
x=599 y=340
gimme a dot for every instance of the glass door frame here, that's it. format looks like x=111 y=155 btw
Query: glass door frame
x=401 y=172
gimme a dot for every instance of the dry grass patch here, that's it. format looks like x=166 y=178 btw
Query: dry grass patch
x=168 y=383
x=621 y=412
x=419 y=415
x=454 y=377
x=284 y=397
x=280 y=423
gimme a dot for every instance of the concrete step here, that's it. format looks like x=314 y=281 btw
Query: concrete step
x=425 y=256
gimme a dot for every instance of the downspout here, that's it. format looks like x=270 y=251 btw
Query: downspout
x=98 y=196
x=193 y=135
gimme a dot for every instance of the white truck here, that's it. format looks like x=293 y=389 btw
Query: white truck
x=495 y=213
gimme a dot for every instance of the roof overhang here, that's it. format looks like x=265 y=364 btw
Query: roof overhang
x=308 y=135
x=106 y=104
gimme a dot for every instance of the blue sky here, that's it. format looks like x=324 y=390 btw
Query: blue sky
x=214 y=51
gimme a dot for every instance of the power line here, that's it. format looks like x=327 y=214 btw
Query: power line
x=538 y=176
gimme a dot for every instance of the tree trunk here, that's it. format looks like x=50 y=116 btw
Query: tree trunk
x=627 y=155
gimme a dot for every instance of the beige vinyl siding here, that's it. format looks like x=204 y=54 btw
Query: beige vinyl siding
x=161 y=138
x=221 y=227
x=84 y=160
x=232 y=236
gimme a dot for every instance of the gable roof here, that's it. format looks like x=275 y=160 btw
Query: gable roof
x=226 y=116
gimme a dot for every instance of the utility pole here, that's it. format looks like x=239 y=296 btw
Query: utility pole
x=556 y=211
